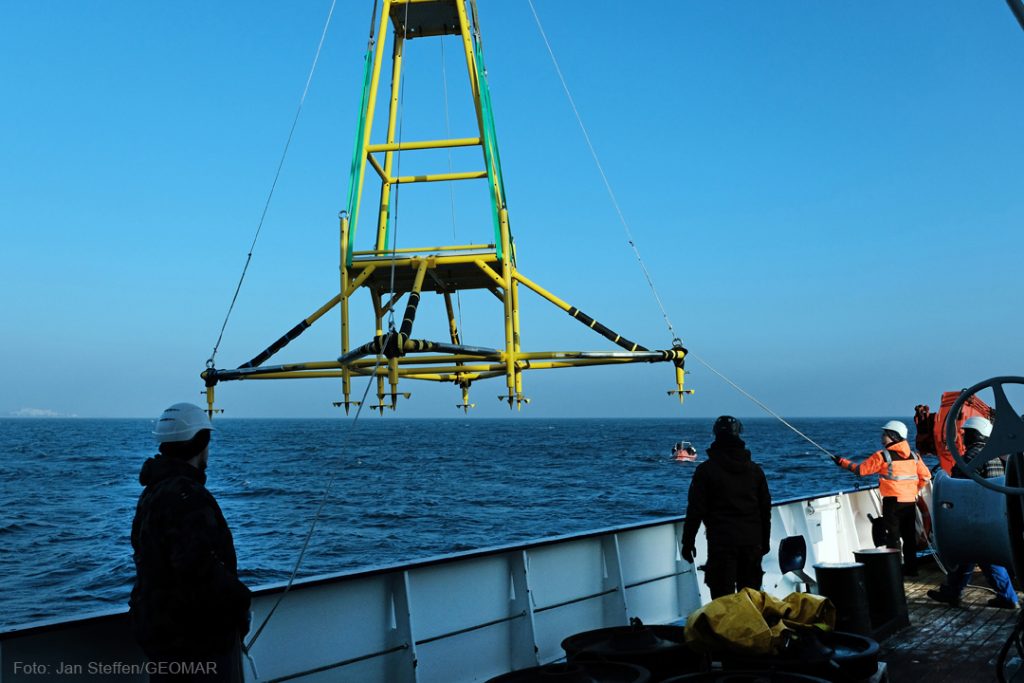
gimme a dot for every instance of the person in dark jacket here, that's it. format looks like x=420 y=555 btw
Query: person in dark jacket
x=976 y=431
x=729 y=495
x=188 y=609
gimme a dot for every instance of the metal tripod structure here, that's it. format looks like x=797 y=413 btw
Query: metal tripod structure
x=389 y=274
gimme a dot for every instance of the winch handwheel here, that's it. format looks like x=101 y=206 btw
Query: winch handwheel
x=1007 y=435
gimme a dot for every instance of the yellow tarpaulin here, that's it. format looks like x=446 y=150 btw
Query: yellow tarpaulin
x=753 y=623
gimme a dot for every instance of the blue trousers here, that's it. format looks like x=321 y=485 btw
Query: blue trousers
x=997 y=576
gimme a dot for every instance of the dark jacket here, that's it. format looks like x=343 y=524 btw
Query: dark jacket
x=993 y=468
x=729 y=495
x=187 y=598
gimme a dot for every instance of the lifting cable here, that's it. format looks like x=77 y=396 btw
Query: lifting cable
x=632 y=241
x=373 y=374
x=451 y=186
x=273 y=185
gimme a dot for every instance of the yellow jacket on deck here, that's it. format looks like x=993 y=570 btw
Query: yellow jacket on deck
x=901 y=472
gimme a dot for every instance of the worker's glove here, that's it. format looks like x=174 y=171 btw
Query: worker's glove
x=835 y=459
x=688 y=553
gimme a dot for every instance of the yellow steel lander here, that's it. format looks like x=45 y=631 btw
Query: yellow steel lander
x=389 y=274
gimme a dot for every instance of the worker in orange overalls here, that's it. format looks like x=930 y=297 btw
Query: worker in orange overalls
x=901 y=475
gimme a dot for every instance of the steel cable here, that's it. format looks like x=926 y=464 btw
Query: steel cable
x=273 y=185
x=632 y=241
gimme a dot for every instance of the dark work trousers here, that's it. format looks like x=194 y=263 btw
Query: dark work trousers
x=731 y=567
x=900 y=523
x=225 y=667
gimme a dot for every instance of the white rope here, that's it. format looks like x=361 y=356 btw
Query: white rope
x=316 y=517
x=398 y=172
x=632 y=241
x=761 y=404
x=451 y=186
x=273 y=186
x=604 y=176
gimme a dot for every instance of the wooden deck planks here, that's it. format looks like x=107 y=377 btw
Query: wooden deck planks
x=947 y=644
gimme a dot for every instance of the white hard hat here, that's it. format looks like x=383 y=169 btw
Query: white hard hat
x=181 y=422
x=896 y=426
x=980 y=425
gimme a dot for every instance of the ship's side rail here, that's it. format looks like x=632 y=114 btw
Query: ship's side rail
x=462 y=617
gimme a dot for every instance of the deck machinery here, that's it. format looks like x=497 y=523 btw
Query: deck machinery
x=390 y=274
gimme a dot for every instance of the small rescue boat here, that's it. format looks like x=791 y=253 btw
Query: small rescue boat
x=684 y=451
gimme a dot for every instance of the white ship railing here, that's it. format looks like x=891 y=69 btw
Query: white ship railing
x=462 y=617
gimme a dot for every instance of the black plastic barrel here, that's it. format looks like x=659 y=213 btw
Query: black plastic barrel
x=887 y=601
x=662 y=650
x=745 y=677
x=577 y=672
x=844 y=584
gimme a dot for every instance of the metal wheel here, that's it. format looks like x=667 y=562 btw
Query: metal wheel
x=1007 y=434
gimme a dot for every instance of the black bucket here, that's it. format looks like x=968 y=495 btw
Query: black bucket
x=662 y=650
x=834 y=656
x=577 y=672
x=844 y=583
x=745 y=677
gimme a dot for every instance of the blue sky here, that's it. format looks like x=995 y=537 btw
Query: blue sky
x=826 y=194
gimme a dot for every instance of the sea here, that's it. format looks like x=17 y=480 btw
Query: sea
x=393 y=490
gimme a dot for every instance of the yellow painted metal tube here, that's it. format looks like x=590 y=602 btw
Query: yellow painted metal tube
x=290 y=335
x=377 y=167
x=411 y=261
x=467 y=48
x=489 y=272
x=426 y=144
x=385 y=188
x=414 y=301
x=506 y=271
x=415 y=250
x=378 y=314
x=359 y=280
x=540 y=290
x=526 y=362
x=453 y=325
x=515 y=335
x=346 y=376
x=438 y=177
x=371 y=106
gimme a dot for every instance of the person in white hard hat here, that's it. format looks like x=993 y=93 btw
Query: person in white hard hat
x=976 y=431
x=901 y=475
x=188 y=609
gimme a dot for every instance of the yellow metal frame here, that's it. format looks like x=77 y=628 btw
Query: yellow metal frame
x=389 y=274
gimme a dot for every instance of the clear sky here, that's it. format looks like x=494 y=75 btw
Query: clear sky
x=827 y=196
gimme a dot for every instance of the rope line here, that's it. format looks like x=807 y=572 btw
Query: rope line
x=451 y=186
x=327 y=490
x=398 y=172
x=632 y=241
x=319 y=512
x=273 y=186
x=604 y=176
x=761 y=404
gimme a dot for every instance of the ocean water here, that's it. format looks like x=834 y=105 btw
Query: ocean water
x=403 y=490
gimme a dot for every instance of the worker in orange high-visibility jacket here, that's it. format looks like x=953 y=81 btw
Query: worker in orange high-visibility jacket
x=901 y=475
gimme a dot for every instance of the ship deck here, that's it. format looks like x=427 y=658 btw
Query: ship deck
x=947 y=644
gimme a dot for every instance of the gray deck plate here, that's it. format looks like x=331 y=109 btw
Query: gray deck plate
x=947 y=644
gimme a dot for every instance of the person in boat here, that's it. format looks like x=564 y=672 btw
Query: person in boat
x=901 y=476
x=188 y=609
x=729 y=496
x=976 y=431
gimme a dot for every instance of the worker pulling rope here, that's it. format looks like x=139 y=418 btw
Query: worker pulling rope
x=632 y=241
x=273 y=185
